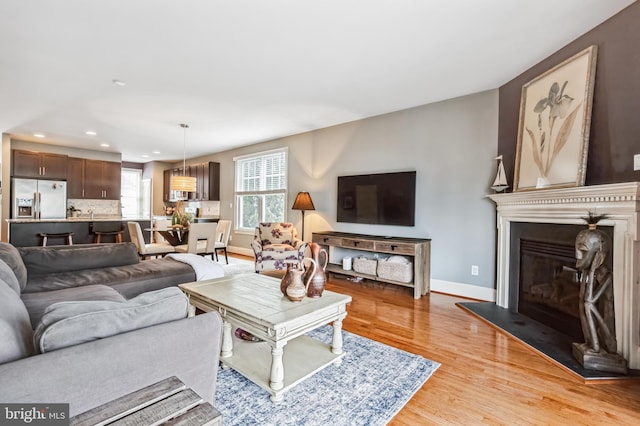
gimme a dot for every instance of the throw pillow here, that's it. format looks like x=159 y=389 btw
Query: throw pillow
x=71 y=323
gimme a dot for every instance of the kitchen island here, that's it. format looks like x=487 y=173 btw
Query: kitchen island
x=26 y=232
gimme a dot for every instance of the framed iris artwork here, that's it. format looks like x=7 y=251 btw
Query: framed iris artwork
x=553 y=130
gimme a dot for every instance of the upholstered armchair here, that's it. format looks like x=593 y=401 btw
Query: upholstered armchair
x=275 y=244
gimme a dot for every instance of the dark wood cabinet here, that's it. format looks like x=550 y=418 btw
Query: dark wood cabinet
x=75 y=177
x=207 y=182
x=94 y=179
x=213 y=184
x=39 y=165
x=102 y=179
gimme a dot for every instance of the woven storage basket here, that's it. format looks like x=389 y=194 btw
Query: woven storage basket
x=401 y=272
x=364 y=265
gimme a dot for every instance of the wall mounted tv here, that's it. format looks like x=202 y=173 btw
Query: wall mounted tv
x=380 y=199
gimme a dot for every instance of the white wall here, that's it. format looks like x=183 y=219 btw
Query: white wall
x=450 y=144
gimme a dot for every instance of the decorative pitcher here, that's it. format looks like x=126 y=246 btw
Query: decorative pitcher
x=317 y=275
x=297 y=287
x=286 y=279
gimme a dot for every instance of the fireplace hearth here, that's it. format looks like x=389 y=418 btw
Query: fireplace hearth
x=535 y=269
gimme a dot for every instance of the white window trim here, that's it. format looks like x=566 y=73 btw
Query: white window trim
x=285 y=150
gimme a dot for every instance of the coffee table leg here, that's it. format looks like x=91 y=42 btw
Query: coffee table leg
x=227 y=341
x=277 y=373
x=336 y=342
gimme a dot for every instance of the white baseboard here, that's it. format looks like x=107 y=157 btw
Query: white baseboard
x=464 y=290
x=240 y=250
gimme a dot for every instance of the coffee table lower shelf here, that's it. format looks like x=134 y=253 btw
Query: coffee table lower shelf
x=302 y=357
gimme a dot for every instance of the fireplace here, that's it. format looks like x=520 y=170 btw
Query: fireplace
x=521 y=216
x=543 y=281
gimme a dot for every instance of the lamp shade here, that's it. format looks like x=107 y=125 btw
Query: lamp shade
x=303 y=202
x=183 y=183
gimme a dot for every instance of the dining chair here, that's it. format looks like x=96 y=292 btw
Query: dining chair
x=147 y=250
x=201 y=239
x=222 y=238
x=160 y=224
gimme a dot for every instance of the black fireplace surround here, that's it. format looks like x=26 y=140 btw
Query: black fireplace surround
x=542 y=280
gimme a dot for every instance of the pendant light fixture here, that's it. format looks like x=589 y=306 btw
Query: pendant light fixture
x=183 y=183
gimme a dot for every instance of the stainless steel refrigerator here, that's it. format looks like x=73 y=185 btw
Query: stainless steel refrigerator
x=38 y=199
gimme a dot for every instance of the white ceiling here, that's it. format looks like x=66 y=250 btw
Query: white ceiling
x=245 y=71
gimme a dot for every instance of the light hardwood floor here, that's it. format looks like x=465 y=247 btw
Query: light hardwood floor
x=486 y=377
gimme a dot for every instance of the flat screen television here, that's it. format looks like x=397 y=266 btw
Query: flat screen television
x=379 y=199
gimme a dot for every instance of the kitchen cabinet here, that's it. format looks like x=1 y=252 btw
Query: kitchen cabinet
x=207 y=182
x=75 y=177
x=213 y=184
x=102 y=179
x=167 y=193
x=39 y=165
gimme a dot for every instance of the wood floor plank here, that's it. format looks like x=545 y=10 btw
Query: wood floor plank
x=486 y=377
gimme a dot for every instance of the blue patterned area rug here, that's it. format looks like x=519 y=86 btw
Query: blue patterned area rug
x=370 y=387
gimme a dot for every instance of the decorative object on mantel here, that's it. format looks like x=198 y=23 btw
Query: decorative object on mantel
x=183 y=183
x=500 y=182
x=597 y=315
x=303 y=202
x=553 y=130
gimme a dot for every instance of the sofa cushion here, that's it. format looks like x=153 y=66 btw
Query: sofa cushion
x=12 y=258
x=44 y=261
x=16 y=335
x=276 y=233
x=129 y=280
x=37 y=303
x=72 y=323
x=8 y=277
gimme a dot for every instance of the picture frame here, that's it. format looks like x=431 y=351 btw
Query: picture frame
x=554 y=125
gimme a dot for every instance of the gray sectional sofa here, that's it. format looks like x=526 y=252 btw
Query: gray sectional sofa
x=87 y=324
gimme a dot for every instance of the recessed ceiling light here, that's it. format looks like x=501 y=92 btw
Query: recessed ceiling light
x=104 y=145
x=156 y=152
x=38 y=135
x=145 y=156
x=91 y=133
x=118 y=82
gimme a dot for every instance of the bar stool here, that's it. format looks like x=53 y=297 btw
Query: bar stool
x=44 y=237
x=98 y=236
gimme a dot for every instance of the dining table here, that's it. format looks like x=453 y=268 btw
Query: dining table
x=175 y=235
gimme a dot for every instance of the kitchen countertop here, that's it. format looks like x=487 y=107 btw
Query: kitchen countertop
x=80 y=219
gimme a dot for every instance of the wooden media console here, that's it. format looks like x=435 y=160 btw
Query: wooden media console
x=417 y=249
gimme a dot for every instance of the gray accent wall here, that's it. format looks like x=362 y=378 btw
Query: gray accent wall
x=451 y=145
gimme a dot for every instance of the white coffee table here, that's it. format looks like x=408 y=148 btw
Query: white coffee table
x=285 y=356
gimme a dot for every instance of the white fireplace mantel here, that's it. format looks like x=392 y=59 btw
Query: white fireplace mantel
x=621 y=203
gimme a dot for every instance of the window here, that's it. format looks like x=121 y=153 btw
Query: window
x=132 y=200
x=261 y=188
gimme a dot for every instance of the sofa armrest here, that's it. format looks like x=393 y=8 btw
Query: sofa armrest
x=97 y=372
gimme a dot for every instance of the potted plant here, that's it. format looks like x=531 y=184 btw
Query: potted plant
x=74 y=211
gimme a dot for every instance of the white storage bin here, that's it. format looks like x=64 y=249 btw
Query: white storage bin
x=396 y=268
x=365 y=266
